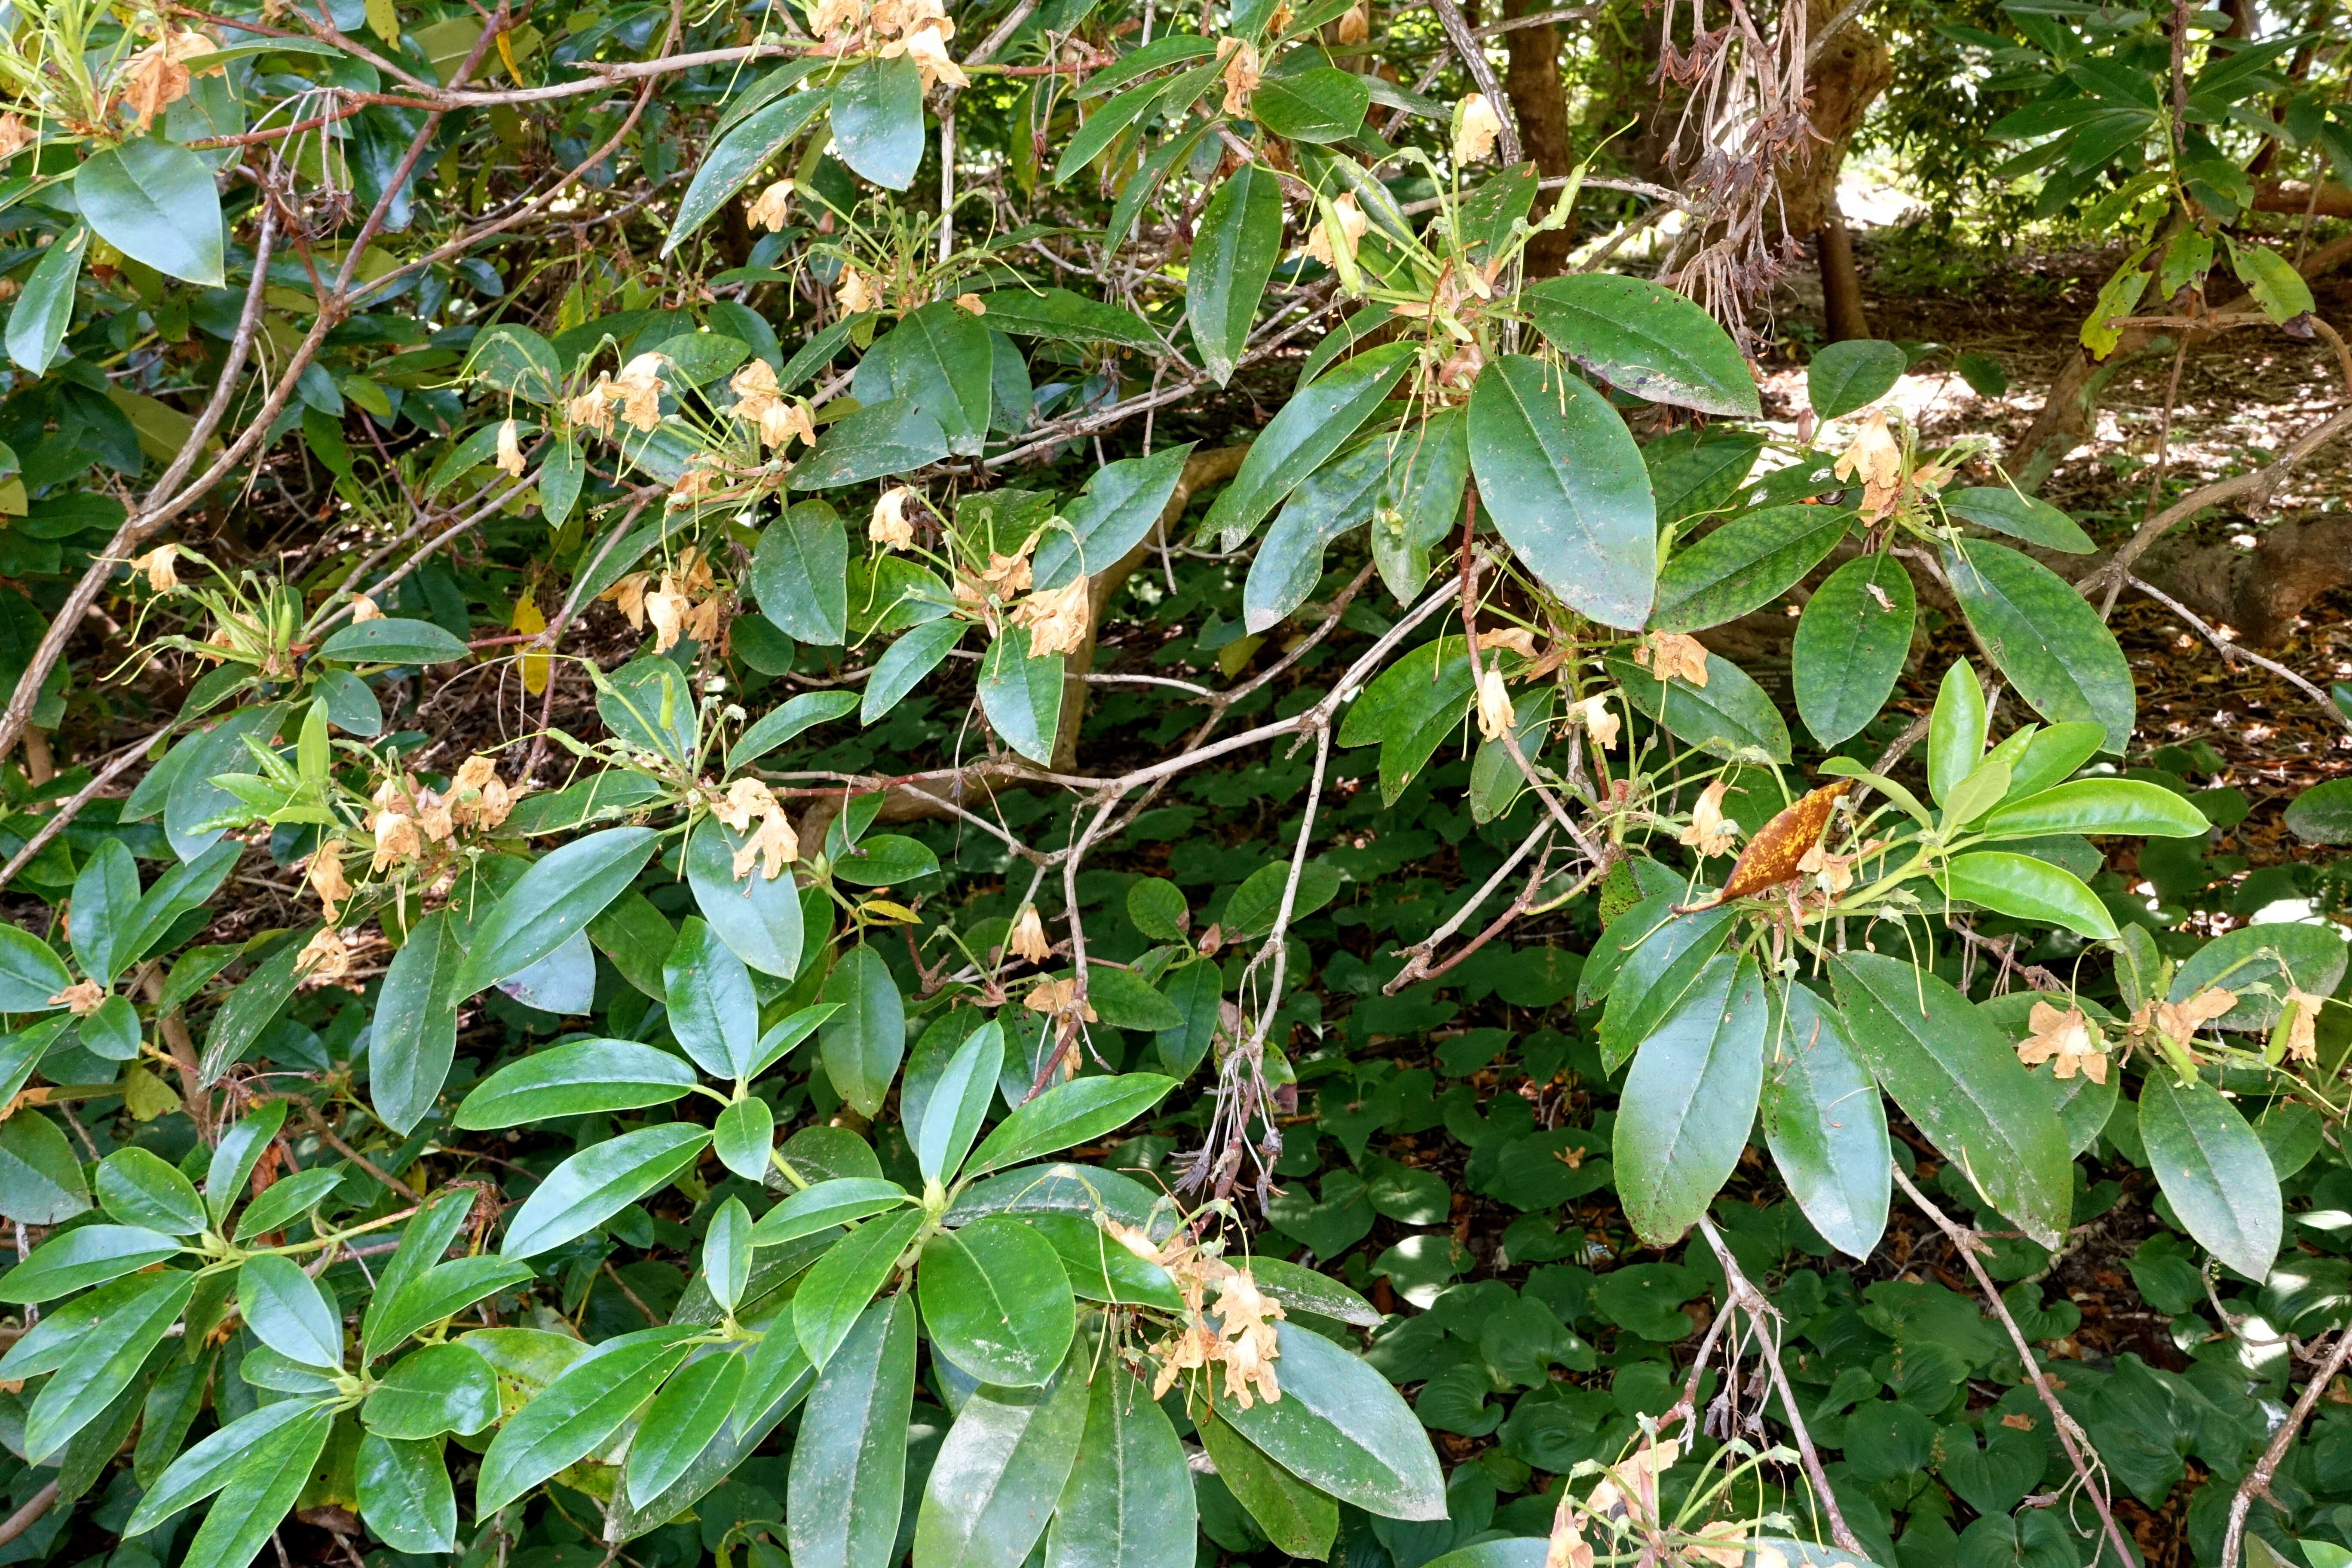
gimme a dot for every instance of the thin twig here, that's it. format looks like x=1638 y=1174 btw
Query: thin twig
x=2257 y=1481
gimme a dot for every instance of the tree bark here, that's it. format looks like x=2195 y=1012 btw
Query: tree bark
x=1540 y=101
x=1853 y=69
x=1842 y=310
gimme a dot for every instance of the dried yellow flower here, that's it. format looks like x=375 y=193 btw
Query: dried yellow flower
x=1320 y=240
x=592 y=409
x=890 y=527
x=1056 y=997
x=833 y=18
x=972 y=303
x=158 y=76
x=855 y=294
x=1669 y=654
x=1494 y=717
x=928 y=51
x=769 y=210
x=162 y=577
x=1028 y=939
x=2064 y=1038
x=364 y=609
x=1356 y=23
x=1241 y=73
x=325 y=875
x=1710 y=832
x=510 y=459
x=639 y=388
x=1876 y=458
x=83 y=999
x=1476 y=126
x=323 y=958
x=1599 y=722
x=1057 y=618
x=14 y=136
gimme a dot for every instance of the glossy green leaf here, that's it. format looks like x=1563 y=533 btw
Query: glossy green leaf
x=1731 y=713
x=584 y=1076
x=1645 y=338
x=2030 y=889
x=414 y=1037
x=1340 y=1426
x=784 y=723
x=1960 y=1082
x=1561 y=475
x=31 y=973
x=597 y=1183
x=1021 y=693
x=758 y=917
x=1233 y=252
x=863 y=1043
x=905 y=664
x=1661 y=956
x=848 y=1475
x=577 y=1413
x=562 y=893
x=289 y=1312
x=38 y=321
x=713 y=1013
x=824 y=1205
x=1690 y=1099
x=1298 y=1520
x=392 y=640
x=404 y=1495
x=1120 y=505
x=1321 y=103
x=680 y=1423
x=1101 y=1269
x=844 y=1279
x=877 y=121
x=959 y=1102
x=85 y=1256
x=938 y=358
x=1001 y=1472
x=2097 y=805
x=1067 y=1114
x=2021 y=516
x=2213 y=1168
x=241 y=1146
x=1335 y=500
x=1128 y=1502
x=1315 y=423
x=997 y=1301
x=877 y=440
x=2258 y=962
x=740 y=154
x=1824 y=1122
x=101 y=1364
x=1745 y=565
x=1956 y=730
x=1845 y=376
x=139 y=1189
x=205 y=1468
x=2046 y=637
x=800 y=576
x=1071 y=318
x=2051 y=757
x=743 y=1135
x=727 y=1249
x=432 y=1390
x=439 y=1293
x=156 y=201
x=258 y=1490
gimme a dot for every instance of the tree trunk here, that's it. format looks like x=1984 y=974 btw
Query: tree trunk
x=1539 y=101
x=1841 y=283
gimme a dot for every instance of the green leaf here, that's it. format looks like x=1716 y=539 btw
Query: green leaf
x=102 y=1363
x=40 y=1180
x=1959 y=1079
x=251 y=1007
x=31 y=973
x=2020 y=516
x=1001 y=1470
x=267 y=1478
x=1128 y=1502
x=1690 y=1099
x=2273 y=280
x=2258 y=962
x=1423 y=504
x=847 y=1483
x=1322 y=103
x=800 y=576
x=2097 y=805
x=440 y=1292
x=288 y=1311
x=744 y=1134
x=779 y=725
x=2213 y=1168
x=1335 y=500
x=1825 y=1125
x=757 y=916
x=514 y=359
x=154 y=201
x=392 y=641
x=2044 y=637
x=576 y=1079
x=1233 y=252
x=1308 y=1291
x=1659 y=958
x=1956 y=730
x=940 y=358
x=740 y=155
x=575 y=1416
x=1340 y=1426
x=404 y=1495
x=1646 y=339
x=1845 y=376
x=1021 y=693
x=863 y=1043
x=959 y=1102
x=820 y=1205
x=1124 y=1000
x=1070 y=1113
x=877 y=121
x=1731 y=713
x=681 y=1421
x=597 y=1183
x=1101 y=1269
x=2051 y=757
x=1851 y=644
x=139 y=1189
x=432 y=1390
x=414 y=1037
x=1298 y=1520
x=205 y=1469
x=289 y=1199
x=550 y=902
x=1059 y=314
x=85 y=1256
x=2030 y=889
x=844 y=1279
x=877 y=440
x=1121 y=504
x=1315 y=423
x=997 y=1301
x=1561 y=475
x=1745 y=565
x=37 y=322
x=240 y=1149
x=714 y=1015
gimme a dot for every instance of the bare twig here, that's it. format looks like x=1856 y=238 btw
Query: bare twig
x=2257 y=1481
